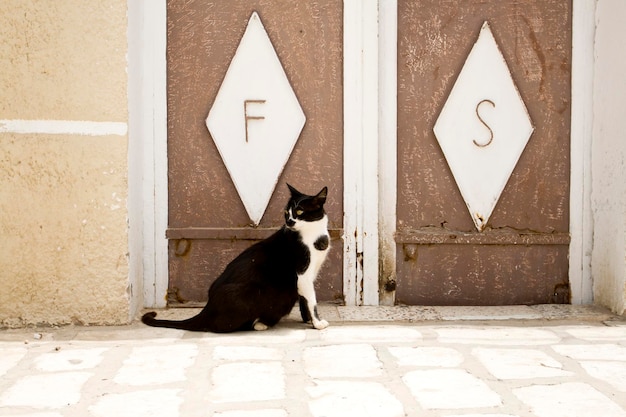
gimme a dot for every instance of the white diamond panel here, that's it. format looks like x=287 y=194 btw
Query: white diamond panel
x=256 y=119
x=483 y=127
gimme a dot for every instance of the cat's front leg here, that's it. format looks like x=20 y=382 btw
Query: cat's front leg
x=304 y=310
x=308 y=303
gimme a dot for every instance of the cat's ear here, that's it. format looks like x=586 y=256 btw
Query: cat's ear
x=322 y=195
x=294 y=192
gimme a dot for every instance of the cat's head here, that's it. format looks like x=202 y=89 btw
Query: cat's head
x=304 y=208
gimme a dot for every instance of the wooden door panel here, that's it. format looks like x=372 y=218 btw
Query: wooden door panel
x=205 y=209
x=481 y=274
x=434 y=39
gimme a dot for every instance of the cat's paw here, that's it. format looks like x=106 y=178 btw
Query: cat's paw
x=258 y=326
x=320 y=324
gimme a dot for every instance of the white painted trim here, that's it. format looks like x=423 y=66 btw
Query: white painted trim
x=581 y=222
x=156 y=28
x=387 y=142
x=64 y=127
x=361 y=152
x=148 y=137
x=352 y=273
x=369 y=192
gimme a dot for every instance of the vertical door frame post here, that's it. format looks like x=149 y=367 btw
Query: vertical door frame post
x=361 y=188
x=581 y=125
x=148 y=201
x=387 y=146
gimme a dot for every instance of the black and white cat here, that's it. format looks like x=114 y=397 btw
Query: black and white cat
x=263 y=283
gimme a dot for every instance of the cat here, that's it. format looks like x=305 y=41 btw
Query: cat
x=263 y=283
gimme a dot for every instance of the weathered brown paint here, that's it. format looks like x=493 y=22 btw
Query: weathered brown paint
x=522 y=255
x=202 y=39
x=480 y=274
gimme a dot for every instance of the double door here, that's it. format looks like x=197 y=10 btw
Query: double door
x=261 y=93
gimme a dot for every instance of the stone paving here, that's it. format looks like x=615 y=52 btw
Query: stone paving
x=487 y=363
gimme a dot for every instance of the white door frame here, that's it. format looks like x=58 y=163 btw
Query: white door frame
x=581 y=125
x=370 y=85
x=370 y=61
x=148 y=186
x=360 y=138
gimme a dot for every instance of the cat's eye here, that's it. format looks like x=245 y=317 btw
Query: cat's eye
x=299 y=212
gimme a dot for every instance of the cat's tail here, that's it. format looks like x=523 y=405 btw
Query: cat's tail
x=196 y=323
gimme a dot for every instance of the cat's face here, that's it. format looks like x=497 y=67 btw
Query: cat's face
x=304 y=208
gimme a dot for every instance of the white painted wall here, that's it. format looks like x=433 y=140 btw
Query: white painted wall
x=608 y=196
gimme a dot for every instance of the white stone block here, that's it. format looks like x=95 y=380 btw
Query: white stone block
x=157 y=364
x=243 y=353
x=427 y=356
x=519 y=363
x=611 y=372
x=9 y=358
x=42 y=414
x=503 y=336
x=70 y=359
x=450 y=389
x=353 y=398
x=599 y=333
x=574 y=399
x=45 y=391
x=274 y=412
x=597 y=351
x=277 y=335
x=371 y=334
x=483 y=415
x=247 y=381
x=352 y=361
x=151 y=403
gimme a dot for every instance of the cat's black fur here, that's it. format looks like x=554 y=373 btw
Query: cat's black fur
x=260 y=286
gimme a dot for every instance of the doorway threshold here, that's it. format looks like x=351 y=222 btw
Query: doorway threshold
x=337 y=314
x=416 y=314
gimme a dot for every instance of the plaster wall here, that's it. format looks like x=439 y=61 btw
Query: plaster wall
x=608 y=156
x=63 y=190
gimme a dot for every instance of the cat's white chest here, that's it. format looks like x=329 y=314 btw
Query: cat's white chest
x=310 y=234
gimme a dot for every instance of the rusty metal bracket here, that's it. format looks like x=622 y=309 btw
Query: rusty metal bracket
x=235 y=233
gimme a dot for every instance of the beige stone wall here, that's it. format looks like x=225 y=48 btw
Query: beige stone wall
x=63 y=213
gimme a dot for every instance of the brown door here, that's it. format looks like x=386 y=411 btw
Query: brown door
x=519 y=256
x=208 y=223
